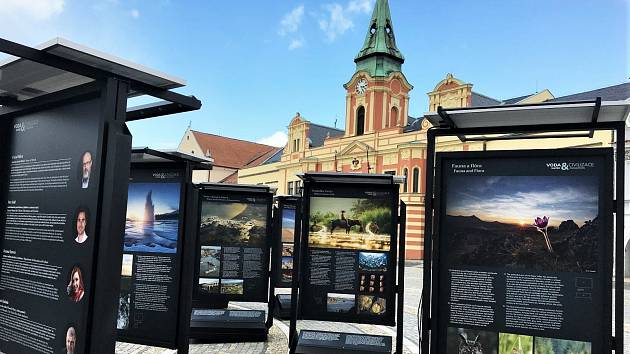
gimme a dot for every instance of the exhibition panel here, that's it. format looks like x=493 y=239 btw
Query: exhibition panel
x=523 y=252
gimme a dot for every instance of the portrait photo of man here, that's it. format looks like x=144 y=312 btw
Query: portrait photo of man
x=86 y=169
x=71 y=341
x=82 y=220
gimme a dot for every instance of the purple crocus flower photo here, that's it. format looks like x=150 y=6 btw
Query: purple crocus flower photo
x=541 y=224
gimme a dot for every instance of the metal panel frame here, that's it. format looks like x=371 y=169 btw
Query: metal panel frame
x=427 y=321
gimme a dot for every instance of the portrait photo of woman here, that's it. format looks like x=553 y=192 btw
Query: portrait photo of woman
x=75 y=288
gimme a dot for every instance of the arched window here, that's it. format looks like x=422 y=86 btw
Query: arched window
x=393 y=117
x=360 y=120
x=406 y=174
x=416 y=178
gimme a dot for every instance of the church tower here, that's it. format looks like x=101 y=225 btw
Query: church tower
x=377 y=95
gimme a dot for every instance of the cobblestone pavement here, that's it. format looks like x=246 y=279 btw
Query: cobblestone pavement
x=277 y=342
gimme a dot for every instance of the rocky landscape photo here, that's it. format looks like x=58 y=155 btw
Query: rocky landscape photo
x=233 y=224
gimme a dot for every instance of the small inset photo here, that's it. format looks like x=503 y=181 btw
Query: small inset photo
x=232 y=286
x=209 y=286
x=561 y=346
x=287 y=250
x=127 y=265
x=340 y=303
x=371 y=305
x=210 y=261
x=287 y=262
x=373 y=261
x=510 y=343
x=464 y=340
x=76 y=287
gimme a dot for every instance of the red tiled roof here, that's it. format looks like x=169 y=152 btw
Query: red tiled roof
x=231 y=179
x=233 y=153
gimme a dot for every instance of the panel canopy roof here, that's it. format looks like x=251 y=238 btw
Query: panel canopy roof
x=147 y=155
x=23 y=79
x=544 y=114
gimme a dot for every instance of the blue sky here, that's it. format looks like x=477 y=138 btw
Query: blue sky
x=254 y=64
x=520 y=199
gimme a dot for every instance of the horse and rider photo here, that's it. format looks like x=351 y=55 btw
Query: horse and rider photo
x=350 y=223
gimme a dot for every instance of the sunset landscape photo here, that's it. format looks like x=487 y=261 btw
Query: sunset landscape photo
x=546 y=223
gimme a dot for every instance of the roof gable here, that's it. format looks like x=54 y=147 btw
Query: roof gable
x=234 y=153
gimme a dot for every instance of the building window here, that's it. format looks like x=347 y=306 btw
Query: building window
x=290 y=188
x=360 y=120
x=416 y=178
x=298 y=185
x=296 y=145
x=393 y=117
x=406 y=174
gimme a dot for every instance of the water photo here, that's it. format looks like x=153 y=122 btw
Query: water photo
x=152 y=223
x=127 y=265
x=560 y=346
x=515 y=343
x=371 y=305
x=545 y=223
x=210 y=261
x=340 y=303
x=209 y=286
x=350 y=223
x=287 y=276
x=373 y=261
x=288 y=224
x=124 y=303
x=232 y=286
x=233 y=224
x=464 y=340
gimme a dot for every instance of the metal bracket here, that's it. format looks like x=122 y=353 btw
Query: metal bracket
x=596 y=109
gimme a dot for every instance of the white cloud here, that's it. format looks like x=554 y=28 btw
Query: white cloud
x=296 y=43
x=278 y=139
x=135 y=13
x=336 y=22
x=36 y=9
x=364 y=6
x=290 y=23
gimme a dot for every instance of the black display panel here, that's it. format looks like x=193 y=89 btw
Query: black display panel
x=284 y=242
x=151 y=263
x=524 y=264
x=234 y=243
x=349 y=253
x=48 y=239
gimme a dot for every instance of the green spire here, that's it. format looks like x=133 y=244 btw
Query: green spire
x=379 y=55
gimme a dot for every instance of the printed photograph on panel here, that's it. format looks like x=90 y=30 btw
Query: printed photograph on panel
x=546 y=223
x=288 y=225
x=515 y=343
x=465 y=341
x=209 y=286
x=340 y=303
x=350 y=223
x=127 y=265
x=560 y=346
x=124 y=303
x=371 y=305
x=231 y=223
x=373 y=261
x=210 y=261
x=232 y=286
x=152 y=217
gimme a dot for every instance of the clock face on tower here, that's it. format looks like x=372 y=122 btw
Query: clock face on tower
x=362 y=85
